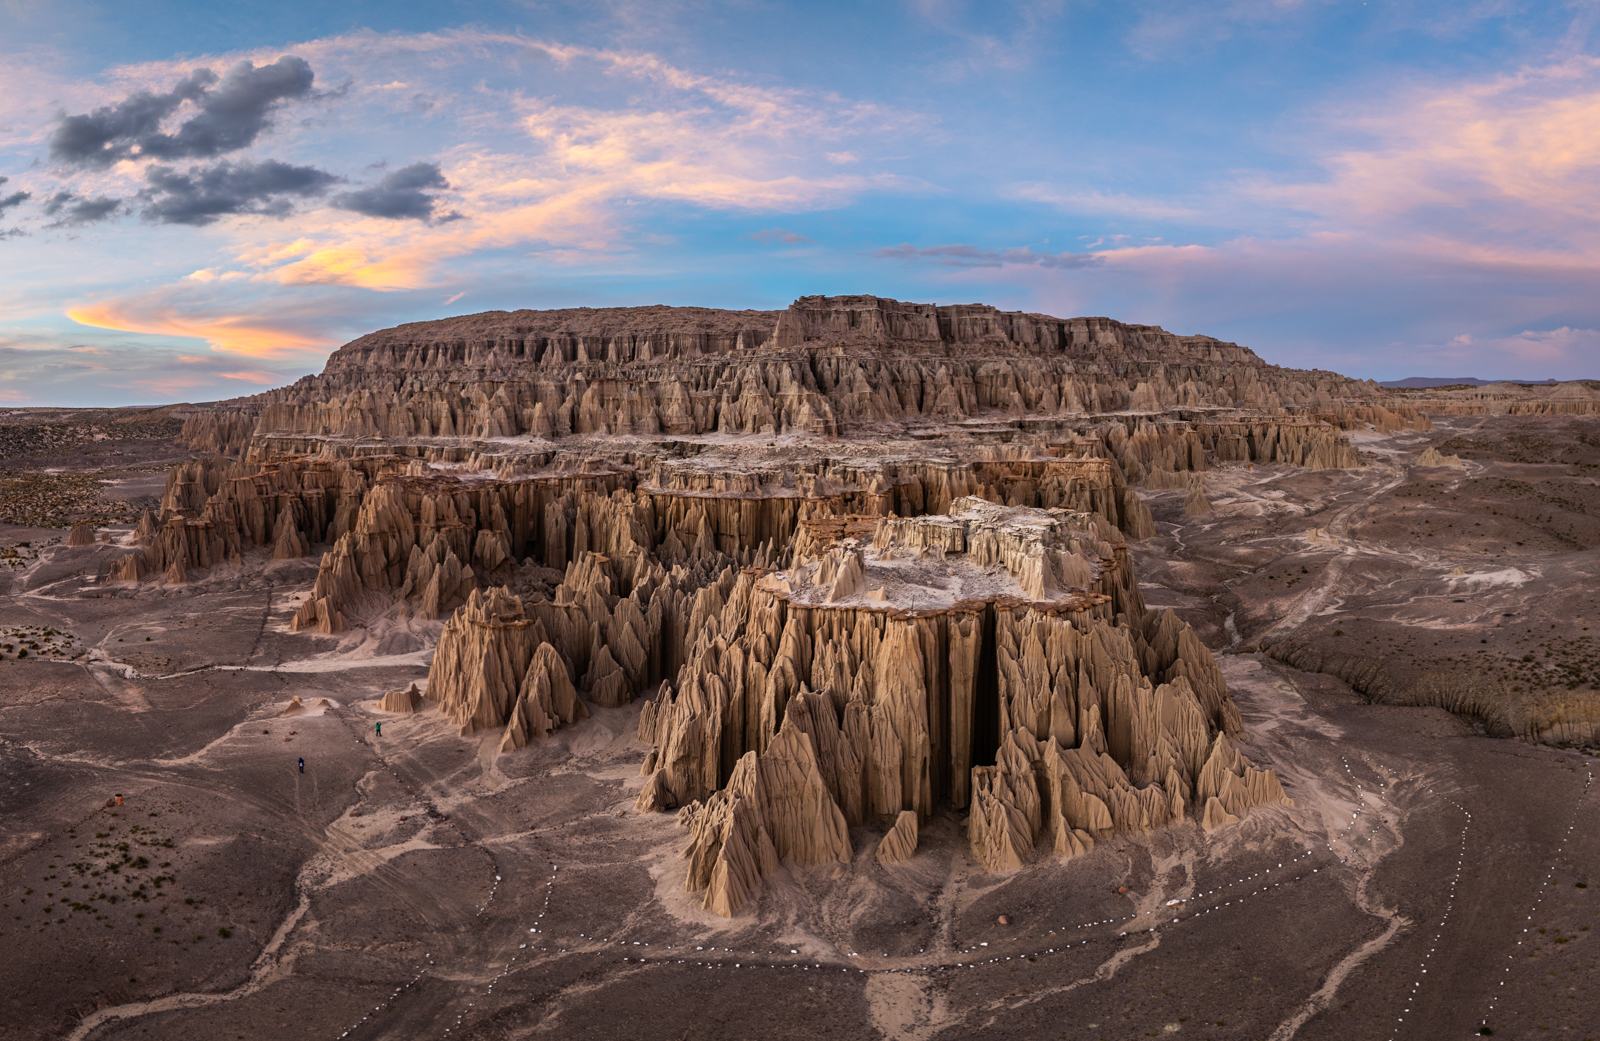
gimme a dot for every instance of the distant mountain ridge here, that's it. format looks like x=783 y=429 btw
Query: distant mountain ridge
x=1415 y=382
x=1422 y=382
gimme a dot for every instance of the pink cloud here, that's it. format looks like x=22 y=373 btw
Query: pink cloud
x=1505 y=166
x=224 y=324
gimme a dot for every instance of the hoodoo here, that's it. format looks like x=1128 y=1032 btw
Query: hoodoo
x=992 y=659
x=588 y=507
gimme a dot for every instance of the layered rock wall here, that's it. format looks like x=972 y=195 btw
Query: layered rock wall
x=1051 y=703
x=823 y=366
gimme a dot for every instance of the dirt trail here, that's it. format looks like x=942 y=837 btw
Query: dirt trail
x=267 y=968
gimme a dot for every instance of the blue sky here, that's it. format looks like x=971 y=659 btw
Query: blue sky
x=202 y=202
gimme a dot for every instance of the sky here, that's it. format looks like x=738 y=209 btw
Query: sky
x=202 y=201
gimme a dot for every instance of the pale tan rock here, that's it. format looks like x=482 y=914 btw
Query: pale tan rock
x=1215 y=816
x=775 y=807
x=130 y=567
x=81 y=535
x=404 y=701
x=855 y=605
x=483 y=654
x=1431 y=456
x=546 y=700
x=900 y=843
x=147 y=530
x=1196 y=504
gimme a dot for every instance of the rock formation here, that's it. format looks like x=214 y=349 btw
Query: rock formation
x=825 y=365
x=482 y=660
x=405 y=701
x=994 y=658
x=863 y=558
x=81 y=535
x=900 y=843
x=1572 y=398
x=1431 y=457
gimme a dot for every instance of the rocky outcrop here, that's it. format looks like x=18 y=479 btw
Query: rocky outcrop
x=546 y=700
x=1308 y=443
x=81 y=535
x=866 y=559
x=900 y=843
x=482 y=660
x=404 y=701
x=220 y=431
x=1196 y=504
x=915 y=656
x=146 y=531
x=775 y=806
x=1432 y=457
x=825 y=365
x=1572 y=398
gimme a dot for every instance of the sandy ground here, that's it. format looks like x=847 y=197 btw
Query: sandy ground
x=1431 y=879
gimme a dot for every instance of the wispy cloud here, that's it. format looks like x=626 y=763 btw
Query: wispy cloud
x=41 y=371
x=263 y=378
x=558 y=176
x=1524 y=355
x=1114 y=204
x=783 y=235
x=263 y=331
x=959 y=255
x=1164 y=29
x=991 y=35
x=1504 y=166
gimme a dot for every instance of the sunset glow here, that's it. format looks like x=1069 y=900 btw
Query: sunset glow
x=1374 y=188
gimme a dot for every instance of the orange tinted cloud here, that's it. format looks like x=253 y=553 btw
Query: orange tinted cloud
x=567 y=177
x=256 y=336
x=264 y=378
x=349 y=265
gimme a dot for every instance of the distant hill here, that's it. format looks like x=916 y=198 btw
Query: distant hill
x=1417 y=382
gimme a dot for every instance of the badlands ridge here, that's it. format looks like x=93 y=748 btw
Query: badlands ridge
x=867 y=668
x=828 y=633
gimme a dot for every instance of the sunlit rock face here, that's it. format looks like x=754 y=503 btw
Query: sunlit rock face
x=863 y=559
x=995 y=659
x=826 y=366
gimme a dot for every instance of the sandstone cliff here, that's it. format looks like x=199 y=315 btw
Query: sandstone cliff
x=996 y=658
x=866 y=559
x=826 y=365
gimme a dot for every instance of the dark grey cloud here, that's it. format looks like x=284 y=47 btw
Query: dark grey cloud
x=111 y=133
x=960 y=255
x=14 y=199
x=232 y=113
x=399 y=195
x=74 y=211
x=202 y=195
x=12 y=233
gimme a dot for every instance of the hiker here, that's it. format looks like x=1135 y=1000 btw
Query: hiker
x=302 y=764
x=379 y=725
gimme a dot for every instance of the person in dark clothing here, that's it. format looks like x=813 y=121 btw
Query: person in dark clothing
x=302 y=764
x=379 y=725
